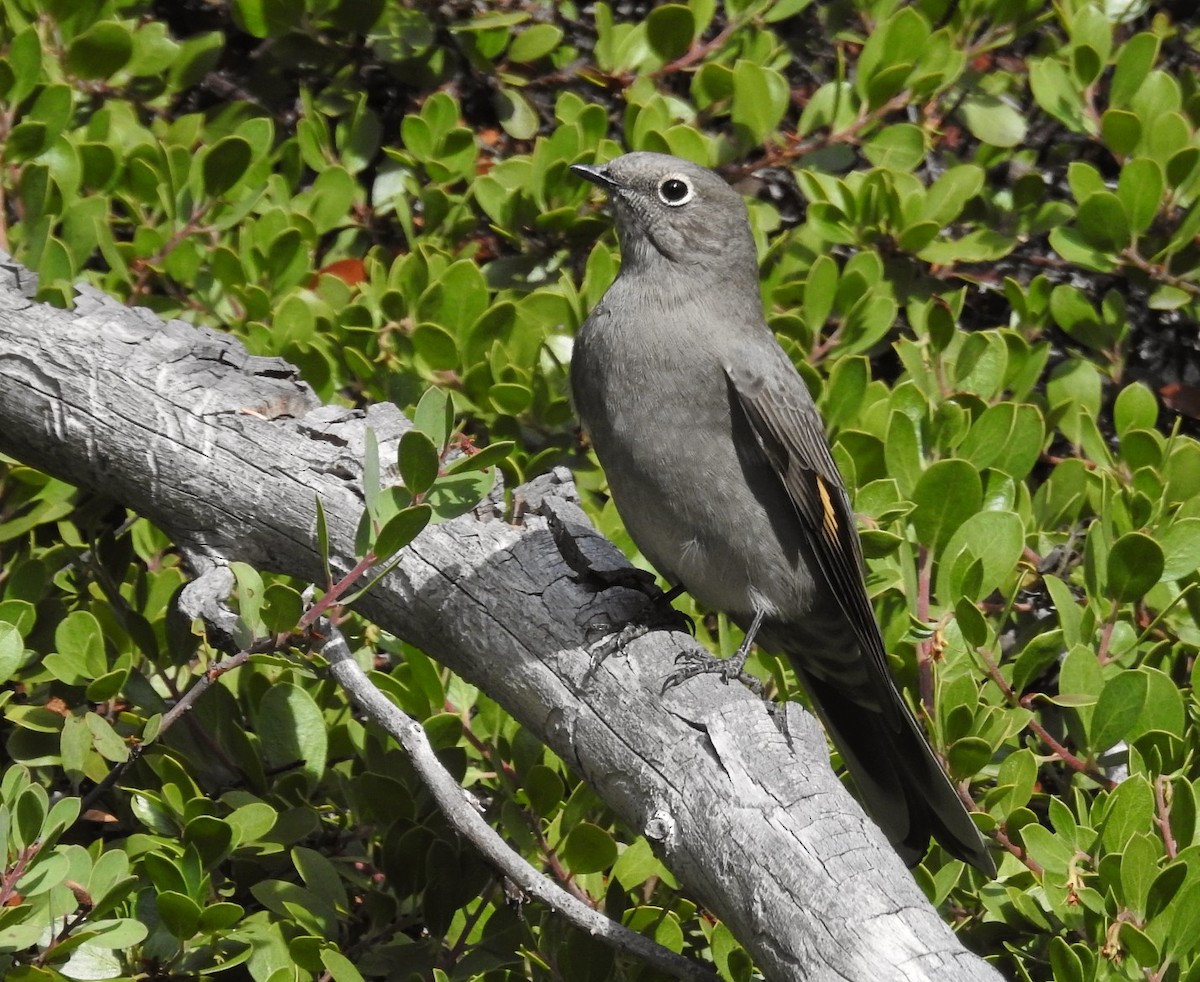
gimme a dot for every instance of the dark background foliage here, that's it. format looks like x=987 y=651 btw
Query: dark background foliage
x=978 y=225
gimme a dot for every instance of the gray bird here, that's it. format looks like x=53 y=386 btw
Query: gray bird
x=717 y=462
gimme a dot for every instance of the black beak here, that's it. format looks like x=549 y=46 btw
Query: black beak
x=598 y=175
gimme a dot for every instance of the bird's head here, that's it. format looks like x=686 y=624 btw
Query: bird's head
x=673 y=213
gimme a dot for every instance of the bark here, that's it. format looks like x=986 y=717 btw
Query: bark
x=227 y=452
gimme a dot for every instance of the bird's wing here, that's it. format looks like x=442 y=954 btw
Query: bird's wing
x=792 y=437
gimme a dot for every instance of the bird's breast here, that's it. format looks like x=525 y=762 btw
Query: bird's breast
x=694 y=491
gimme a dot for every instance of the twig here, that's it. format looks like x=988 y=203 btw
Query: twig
x=459 y=809
x=173 y=715
x=925 y=646
x=1026 y=702
x=1162 y=816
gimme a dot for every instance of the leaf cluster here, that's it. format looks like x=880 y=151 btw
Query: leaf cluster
x=977 y=224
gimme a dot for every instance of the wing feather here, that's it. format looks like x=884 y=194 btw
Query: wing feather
x=791 y=435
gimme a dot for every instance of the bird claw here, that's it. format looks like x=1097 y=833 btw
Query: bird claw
x=656 y=615
x=612 y=643
x=696 y=661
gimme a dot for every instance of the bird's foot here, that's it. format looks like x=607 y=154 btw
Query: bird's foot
x=696 y=661
x=656 y=614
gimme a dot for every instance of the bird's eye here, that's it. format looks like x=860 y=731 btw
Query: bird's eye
x=675 y=190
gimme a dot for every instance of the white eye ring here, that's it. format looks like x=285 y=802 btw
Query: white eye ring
x=675 y=190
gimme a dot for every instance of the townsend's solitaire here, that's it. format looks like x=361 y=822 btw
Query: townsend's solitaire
x=717 y=462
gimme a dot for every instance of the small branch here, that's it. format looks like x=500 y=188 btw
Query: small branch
x=1002 y=837
x=147 y=265
x=1162 y=816
x=172 y=716
x=700 y=50
x=925 y=647
x=1026 y=702
x=12 y=875
x=1106 y=633
x=459 y=809
x=504 y=773
x=335 y=592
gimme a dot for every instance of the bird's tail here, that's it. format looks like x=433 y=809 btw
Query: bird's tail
x=901 y=783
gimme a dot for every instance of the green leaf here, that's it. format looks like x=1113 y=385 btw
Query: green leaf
x=760 y=98
x=267 y=18
x=510 y=398
x=1185 y=922
x=339 y=967
x=636 y=864
x=320 y=876
x=1064 y=962
x=358 y=137
x=322 y=536
x=251 y=821
x=902 y=451
x=1140 y=190
x=517 y=117
x=250 y=600
x=434 y=416
x=1084 y=180
x=1121 y=130
x=1071 y=245
x=225 y=164
x=1057 y=92
x=588 y=849
x=332 y=198
x=80 y=639
x=1134 y=61
x=887 y=59
x=949 y=194
x=291 y=728
x=1182 y=166
x=946 y=495
x=1181 y=549
x=108 y=744
x=1006 y=437
x=1102 y=222
x=898 y=147
x=968 y=756
x=820 y=290
x=457 y=494
x=1139 y=945
x=1135 y=408
x=418 y=461
x=544 y=787
x=994 y=538
x=401 y=529
x=1074 y=387
x=12 y=651
x=1120 y=704
x=100 y=51
x=993 y=120
x=211 y=837
x=220 y=916
x=534 y=42
x=1052 y=852
x=436 y=347
x=670 y=29
x=24 y=57
x=489 y=456
x=179 y=913
x=1135 y=565
x=151 y=812
x=282 y=609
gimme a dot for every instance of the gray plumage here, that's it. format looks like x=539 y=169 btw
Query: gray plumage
x=717 y=462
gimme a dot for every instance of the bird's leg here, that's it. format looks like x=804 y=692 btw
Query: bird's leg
x=697 y=661
x=656 y=614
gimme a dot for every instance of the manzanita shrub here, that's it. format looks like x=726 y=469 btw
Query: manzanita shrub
x=978 y=225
